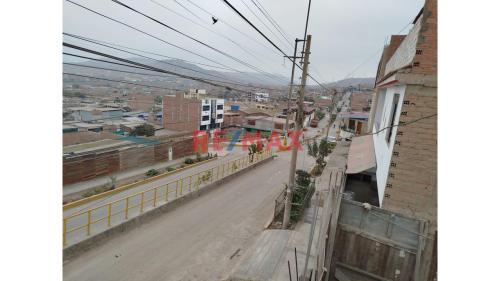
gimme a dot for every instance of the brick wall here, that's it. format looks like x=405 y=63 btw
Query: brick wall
x=136 y=157
x=182 y=148
x=142 y=102
x=360 y=100
x=85 y=167
x=425 y=60
x=180 y=114
x=412 y=182
x=232 y=120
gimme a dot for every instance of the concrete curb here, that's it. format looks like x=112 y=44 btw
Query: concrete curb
x=77 y=249
x=130 y=185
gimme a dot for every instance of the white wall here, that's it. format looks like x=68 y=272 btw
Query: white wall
x=205 y=102
x=383 y=149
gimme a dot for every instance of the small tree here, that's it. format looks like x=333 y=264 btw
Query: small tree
x=145 y=129
x=252 y=149
x=302 y=178
x=158 y=100
x=312 y=149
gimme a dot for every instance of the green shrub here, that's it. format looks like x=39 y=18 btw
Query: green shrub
x=189 y=161
x=170 y=169
x=152 y=172
x=303 y=178
x=198 y=157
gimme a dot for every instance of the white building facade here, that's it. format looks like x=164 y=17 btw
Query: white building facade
x=212 y=113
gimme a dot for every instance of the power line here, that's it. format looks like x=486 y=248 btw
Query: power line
x=208 y=29
x=148 y=52
x=152 y=36
x=265 y=25
x=268 y=16
x=194 y=39
x=369 y=58
x=149 y=67
x=136 y=54
x=400 y=124
x=227 y=24
x=106 y=44
x=156 y=75
x=271 y=42
x=101 y=60
x=189 y=11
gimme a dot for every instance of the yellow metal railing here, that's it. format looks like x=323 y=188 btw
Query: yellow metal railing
x=84 y=220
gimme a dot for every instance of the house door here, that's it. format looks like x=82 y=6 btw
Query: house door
x=359 y=125
x=170 y=156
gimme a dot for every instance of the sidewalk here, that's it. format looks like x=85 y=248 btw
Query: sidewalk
x=268 y=257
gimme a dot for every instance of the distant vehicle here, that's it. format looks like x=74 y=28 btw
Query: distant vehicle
x=332 y=139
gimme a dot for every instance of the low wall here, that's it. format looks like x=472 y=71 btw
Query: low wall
x=85 y=167
x=98 y=239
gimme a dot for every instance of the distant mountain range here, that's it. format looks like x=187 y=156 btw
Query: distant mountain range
x=178 y=66
x=352 y=82
x=185 y=68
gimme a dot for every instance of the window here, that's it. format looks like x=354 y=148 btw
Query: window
x=205 y=118
x=206 y=108
x=220 y=107
x=219 y=116
x=251 y=122
x=394 y=109
x=278 y=126
x=379 y=110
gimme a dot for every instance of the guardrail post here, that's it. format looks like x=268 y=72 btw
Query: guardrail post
x=154 y=197
x=65 y=228
x=212 y=176
x=142 y=202
x=109 y=214
x=166 y=193
x=126 y=208
x=176 y=188
x=89 y=220
x=190 y=182
x=182 y=186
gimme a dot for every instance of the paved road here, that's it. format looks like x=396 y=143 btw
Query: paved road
x=201 y=240
x=100 y=215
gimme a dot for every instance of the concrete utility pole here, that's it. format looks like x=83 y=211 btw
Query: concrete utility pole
x=299 y=120
x=291 y=86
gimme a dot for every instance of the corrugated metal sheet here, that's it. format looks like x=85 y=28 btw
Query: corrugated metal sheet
x=361 y=155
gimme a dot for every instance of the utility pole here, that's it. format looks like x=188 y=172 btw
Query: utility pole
x=299 y=121
x=291 y=86
x=331 y=120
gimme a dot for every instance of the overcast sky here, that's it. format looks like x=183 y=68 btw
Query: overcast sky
x=345 y=33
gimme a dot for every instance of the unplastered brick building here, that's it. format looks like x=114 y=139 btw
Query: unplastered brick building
x=185 y=112
x=403 y=120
